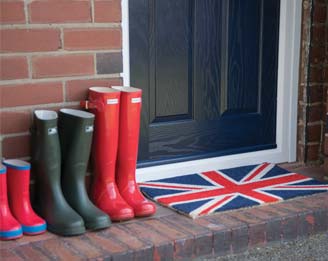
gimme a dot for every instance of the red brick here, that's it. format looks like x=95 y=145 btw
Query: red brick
x=203 y=236
x=222 y=243
x=15 y=121
x=29 y=40
x=289 y=228
x=107 y=11
x=77 y=90
x=315 y=113
x=273 y=224
x=184 y=242
x=30 y=94
x=316 y=74
x=16 y=147
x=163 y=247
x=314 y=133
x=62 y=65
x=122 y=235
x=239 y=231
x=320 y=221
x=60 y=11
x=13 y=67
x=318 y=34
x=319 y=14
x=316 y=92
x=289 y=221
x=9 y=244
x=12 y=12
x=57 y=249
x=317 y=54
x=221 y=234
x=9 y=255
x=314 y=202
x=82 y=246
x=109 y=245
x=28 y=252
x=312 y=152
x=42 y=237
x=256 y=227
x=92 y=39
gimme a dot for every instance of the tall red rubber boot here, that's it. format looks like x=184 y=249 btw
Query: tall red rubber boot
x=128 y=151
x=105 y=104
x=18 y=180
x=9 y=226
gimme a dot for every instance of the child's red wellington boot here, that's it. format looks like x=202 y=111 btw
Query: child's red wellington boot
x=9 y=227
x=18 y=172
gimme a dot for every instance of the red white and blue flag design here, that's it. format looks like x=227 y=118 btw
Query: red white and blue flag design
x=213 y=191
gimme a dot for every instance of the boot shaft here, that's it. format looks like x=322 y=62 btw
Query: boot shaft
x=75 y=134
x=46 y=155
x=75 y=129
x=105 y=104
x=130 y=110
x=18 y=179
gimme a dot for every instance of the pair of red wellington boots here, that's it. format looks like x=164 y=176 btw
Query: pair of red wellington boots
x=115 y=148
x=17 y=217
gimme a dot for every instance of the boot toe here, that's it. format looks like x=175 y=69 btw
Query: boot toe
x=68 y=228
x=13 y=233
x=35 y=229
x=34 y=225
x=145 y=209
x=98 y=222
x=122 y=214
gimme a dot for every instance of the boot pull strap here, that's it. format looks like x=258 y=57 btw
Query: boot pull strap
x=87 y=105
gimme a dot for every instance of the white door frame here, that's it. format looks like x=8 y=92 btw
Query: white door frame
x=288 y=70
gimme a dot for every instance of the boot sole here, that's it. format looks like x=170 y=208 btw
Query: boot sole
x=9 y=235
x=34 y=230
x=67 y=231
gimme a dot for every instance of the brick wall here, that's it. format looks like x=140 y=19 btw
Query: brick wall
x=313 y=81
x=51 y=51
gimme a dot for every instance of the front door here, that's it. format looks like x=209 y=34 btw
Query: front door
x=208 y=70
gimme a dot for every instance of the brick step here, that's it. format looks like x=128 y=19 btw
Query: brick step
x=168 y=235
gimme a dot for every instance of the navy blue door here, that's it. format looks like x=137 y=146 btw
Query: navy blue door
x=208 y=70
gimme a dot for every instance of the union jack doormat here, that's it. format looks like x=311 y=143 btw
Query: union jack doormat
x=213 y=191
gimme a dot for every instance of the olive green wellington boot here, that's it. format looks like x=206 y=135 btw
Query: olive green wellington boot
x=46 y=162
x=75 y=129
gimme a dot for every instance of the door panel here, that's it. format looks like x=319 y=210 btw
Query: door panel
x=208 y=70
x=172 y=59
x=244 y=33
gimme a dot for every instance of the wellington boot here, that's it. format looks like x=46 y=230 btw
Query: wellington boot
x=18 y=181
x=104 y=103
x=128 y=150
x=9 y=226
x=46 y=162
x=75 y=133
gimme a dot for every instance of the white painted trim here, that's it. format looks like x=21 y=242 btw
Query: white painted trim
x=125 y=43
x=288 y=65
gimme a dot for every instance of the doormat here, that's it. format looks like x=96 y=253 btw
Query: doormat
x=214 y=191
